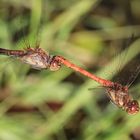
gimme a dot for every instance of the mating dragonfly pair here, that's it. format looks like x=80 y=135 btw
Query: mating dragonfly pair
x=40 y=59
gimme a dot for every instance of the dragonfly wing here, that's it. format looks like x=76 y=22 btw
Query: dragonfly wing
x=129 y=73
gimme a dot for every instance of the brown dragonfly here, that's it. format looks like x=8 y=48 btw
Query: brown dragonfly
x=40 y=59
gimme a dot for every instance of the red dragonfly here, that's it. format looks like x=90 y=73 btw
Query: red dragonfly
x=40 y=59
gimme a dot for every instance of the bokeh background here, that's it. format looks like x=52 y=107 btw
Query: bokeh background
x=45 y=105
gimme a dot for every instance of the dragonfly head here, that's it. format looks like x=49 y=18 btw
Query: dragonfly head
x=55 y=64
x=132 y=107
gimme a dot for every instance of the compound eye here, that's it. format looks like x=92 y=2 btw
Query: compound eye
x=55 y=66
x=132 y=107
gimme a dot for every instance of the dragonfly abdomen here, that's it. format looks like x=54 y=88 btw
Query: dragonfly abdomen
x=12 y=52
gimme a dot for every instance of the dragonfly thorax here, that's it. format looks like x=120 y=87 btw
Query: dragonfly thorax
x=36 y=57
x=118 y=97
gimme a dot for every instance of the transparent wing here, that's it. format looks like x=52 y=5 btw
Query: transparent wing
x=130 y=66
x=129 y=73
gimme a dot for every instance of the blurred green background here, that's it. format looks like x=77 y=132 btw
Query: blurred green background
x=44 y=105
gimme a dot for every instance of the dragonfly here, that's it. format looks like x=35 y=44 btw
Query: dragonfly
x=40 y=59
